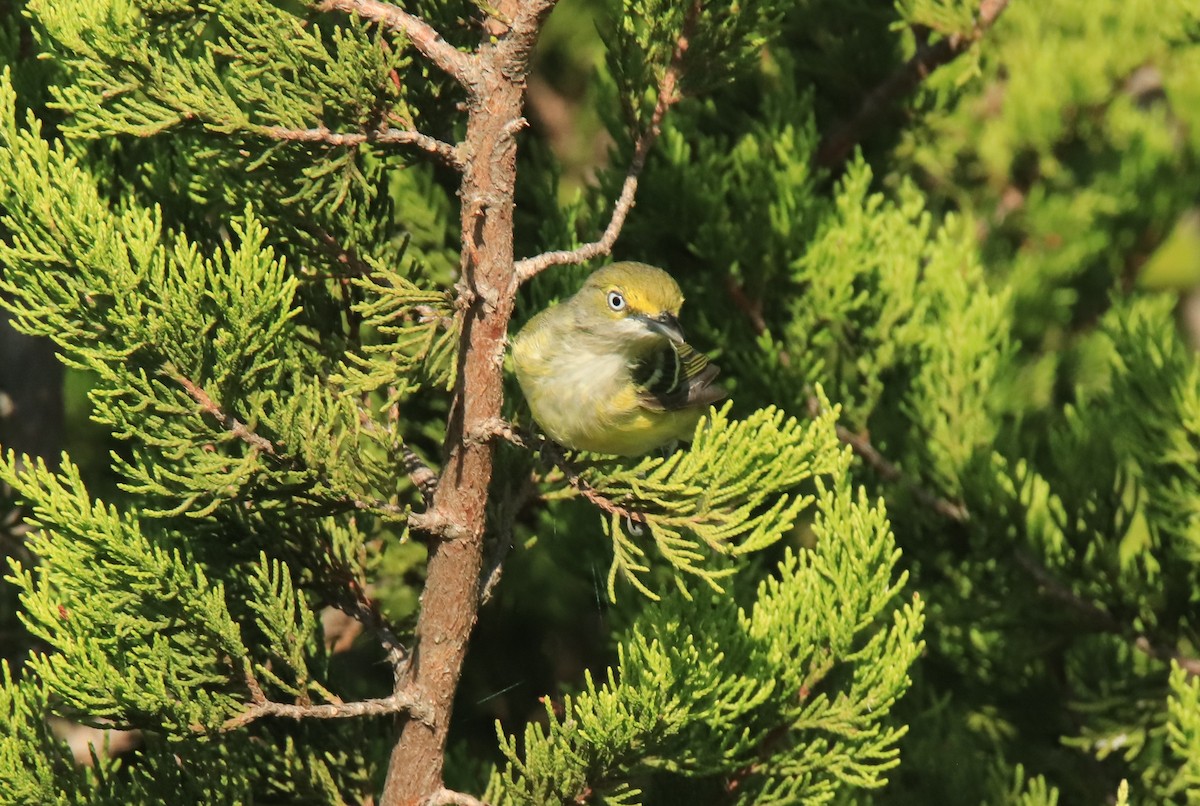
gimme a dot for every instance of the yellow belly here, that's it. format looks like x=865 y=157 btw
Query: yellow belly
x=628 y=429
x=589 y=403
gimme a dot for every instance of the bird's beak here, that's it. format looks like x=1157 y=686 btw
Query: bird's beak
x=667 y=325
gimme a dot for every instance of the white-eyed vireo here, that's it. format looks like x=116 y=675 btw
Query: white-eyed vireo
x=608 y=370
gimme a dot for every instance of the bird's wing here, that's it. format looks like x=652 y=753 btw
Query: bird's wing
x=677 y=377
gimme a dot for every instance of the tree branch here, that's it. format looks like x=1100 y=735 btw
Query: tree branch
x=836 y=147
x=458 y=65
x=423 y=477
x=495 y=79
x=400 y=702
x=230 y=423
x=446 y=153
x=506 y=517
x=556 y=457
x=863 y=448
x=1055 y=589
x=668 y=95
x=421 y=474
x=349 y=595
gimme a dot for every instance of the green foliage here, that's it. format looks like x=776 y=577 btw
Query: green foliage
x=422 y=336
x=1183 y=733
x=34 y=766
x=1080 y=518
x=145 y=637
x=944 y=17
x=882 y=288
x=723 y=40
x=1072 y=177
x=181 y=61
x=239 y=440
x=743 y=232
x=247 y=68
x=725 y=496
x=287 y=626
x=170 y=333
x=820 y=660
x=1032 y=792
x=271 y=322
x=212 y=772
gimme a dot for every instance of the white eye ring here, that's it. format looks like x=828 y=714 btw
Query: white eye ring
x=616 y=300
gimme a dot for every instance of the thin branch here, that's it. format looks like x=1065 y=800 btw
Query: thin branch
x=350 y=596
x=423 y=477
x=401 y=702
x=421 y=474
x=446 y=153
x=227 y=421
x=837 y=146
x=668 y=95
x=555 y=455
x=863 y=448
x=1054 y=588
x=458 y=65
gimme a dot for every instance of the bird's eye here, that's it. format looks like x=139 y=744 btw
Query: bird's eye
x=616 y=300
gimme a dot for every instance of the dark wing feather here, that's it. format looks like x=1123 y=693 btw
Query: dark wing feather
x=677 y=377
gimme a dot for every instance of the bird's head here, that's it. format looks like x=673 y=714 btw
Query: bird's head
x=634 y=303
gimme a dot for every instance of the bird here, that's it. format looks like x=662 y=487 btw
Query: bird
x=609 y=371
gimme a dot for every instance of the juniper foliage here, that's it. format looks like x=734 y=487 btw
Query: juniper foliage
x=219 y=226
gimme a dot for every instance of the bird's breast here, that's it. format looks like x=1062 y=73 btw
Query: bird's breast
x=576 y=392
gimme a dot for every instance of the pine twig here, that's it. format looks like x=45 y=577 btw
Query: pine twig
x=836 y=147
x=556 y=457
x=401 y=702
x=421 y=474
x=863 y=448
x=1054 y=588
x=446 y=153
x=423 y=477
x=350 y=596
x=230 y=423
x=424 y=37
x=668 y=96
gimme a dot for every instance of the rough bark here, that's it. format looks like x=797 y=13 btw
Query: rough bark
x=487 y=292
